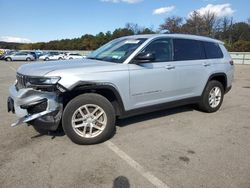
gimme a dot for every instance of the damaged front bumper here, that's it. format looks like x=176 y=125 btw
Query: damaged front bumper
x=39 y=108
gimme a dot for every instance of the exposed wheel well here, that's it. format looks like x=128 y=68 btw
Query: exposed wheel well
x=221 y=77
x=108 y=93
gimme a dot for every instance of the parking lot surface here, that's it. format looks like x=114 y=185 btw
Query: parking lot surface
x=181 y=147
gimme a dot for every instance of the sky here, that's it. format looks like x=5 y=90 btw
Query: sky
x=45 y=20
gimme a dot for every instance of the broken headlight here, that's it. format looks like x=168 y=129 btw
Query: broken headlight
x=42 y=81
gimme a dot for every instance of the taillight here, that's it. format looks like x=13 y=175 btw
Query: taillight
x=231 y=62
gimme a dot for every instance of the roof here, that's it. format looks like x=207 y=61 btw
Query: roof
x=184 y=36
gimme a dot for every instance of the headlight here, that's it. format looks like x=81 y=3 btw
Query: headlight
x=42 y=81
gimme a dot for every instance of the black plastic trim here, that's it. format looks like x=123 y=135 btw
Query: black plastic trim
x=161 y=106
x=26 y=106
x=228 y=89
x=217 y=74
x=122 y=113
x=95 y=86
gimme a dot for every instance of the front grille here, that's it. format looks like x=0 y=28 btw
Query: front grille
x=21 y=81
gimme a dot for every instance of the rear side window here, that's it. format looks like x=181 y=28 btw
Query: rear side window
x=186 y=49
x=213 y=50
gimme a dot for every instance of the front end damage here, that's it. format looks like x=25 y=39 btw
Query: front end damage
x=39 y=108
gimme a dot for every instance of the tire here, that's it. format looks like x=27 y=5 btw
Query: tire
x=8 y=59
x=75 y=112
x=46 y=59
x=28 y=59
x=60 y=58
x=216 y=101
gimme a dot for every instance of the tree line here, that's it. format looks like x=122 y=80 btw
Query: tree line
x=236 y=35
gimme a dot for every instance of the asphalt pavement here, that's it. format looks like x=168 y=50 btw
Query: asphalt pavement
x=175 y=148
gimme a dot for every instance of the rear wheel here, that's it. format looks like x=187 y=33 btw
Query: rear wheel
x=212 y=97
x=28 y=59
x=46 y=59
x=89 y=119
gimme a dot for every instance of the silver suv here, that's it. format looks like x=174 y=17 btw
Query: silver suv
x=20 y=56
x=127 y=76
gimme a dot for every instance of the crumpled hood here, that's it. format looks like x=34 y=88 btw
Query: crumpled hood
x=43 y=68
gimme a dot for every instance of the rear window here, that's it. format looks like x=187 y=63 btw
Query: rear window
x=186 y=49
x=213 y=50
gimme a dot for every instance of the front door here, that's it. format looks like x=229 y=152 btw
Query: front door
x=154 y=82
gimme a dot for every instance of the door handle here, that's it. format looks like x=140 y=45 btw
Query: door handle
x=206 y=64
x=169 y=67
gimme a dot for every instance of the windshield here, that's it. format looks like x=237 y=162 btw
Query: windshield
x=118 y=50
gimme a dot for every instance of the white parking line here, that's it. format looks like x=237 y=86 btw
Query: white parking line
x=12 y=68
x=146 y=174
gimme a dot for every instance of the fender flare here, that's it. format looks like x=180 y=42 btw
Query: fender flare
x=95 y=86
x=215 y=75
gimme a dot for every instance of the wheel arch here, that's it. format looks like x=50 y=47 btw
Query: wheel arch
x=8 y=57
x=105 y=89
x=221 y=77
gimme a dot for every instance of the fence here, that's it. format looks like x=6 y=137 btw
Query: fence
x=241 y=57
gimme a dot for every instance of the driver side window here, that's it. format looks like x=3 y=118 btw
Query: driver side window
x=161 y=48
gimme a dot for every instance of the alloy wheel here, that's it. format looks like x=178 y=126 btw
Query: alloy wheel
x=89 y=120
x=214 y=97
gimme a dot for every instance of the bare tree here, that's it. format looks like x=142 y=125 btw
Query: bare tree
x=172 y=24
x=133 y=27
x=210 y=24
x=226 y=29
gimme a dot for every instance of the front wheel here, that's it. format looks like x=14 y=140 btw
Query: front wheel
x=212 y=97
x=89 y=119
x=8 y=59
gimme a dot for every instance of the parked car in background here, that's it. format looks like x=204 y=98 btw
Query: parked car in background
x=2 y=52
x=73 y=56
x=2 y=57
x=34 y=55
x=39 y=53
x=19 y=56
x=52 y=56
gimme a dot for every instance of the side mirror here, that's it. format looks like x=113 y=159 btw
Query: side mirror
x=144 y=57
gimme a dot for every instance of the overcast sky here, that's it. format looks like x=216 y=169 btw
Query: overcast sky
x=44 y=20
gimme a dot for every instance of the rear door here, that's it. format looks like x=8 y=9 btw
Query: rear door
x=20 y=56
x=24 y=56
x=191 y=66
